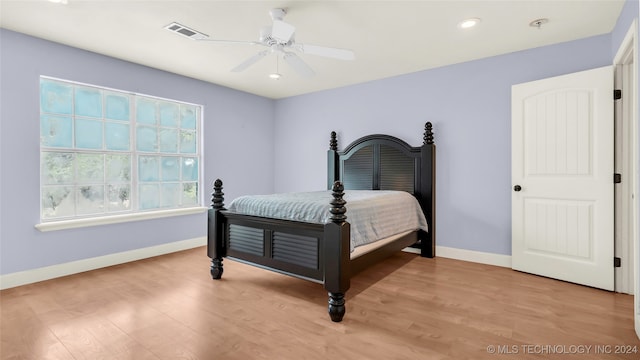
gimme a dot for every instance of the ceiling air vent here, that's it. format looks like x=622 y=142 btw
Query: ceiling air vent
x=185 y=31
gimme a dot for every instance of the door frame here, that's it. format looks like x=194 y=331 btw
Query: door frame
x=625 y=79
x=628 y=248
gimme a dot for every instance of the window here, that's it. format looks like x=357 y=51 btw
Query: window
x=106 y=152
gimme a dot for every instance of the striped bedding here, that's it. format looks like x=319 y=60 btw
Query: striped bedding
x=373 y=214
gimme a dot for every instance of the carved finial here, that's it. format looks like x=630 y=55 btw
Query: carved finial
x=337 y=208
x=333 y=143
x=217 y=198
x=428 y=133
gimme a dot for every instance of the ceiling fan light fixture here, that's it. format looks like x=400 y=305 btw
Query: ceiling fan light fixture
x=468 y=23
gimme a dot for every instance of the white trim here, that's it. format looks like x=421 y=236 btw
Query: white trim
x=74 y=267
x=411 y=250
x=54 y=271
x=115 y=219
x=469 y=255
x=626 y=43
x=630 y=42
x=626 y=110
x=474 y=256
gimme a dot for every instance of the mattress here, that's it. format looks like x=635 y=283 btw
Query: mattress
x=373 y=214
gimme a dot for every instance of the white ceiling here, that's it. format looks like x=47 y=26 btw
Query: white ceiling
x=389 y=38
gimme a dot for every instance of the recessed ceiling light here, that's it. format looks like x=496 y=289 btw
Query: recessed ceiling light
x=275 y=76
x=63 y=2
x=468 y=23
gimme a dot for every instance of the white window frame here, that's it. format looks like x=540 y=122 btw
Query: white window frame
x=134 y=213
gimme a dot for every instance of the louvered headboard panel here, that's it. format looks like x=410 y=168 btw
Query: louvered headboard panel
x=358 y=170
x=380 y=162
x=397 y=169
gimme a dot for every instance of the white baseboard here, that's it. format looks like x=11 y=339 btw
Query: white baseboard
x=469 y=255
x=474 y=256
x=50 y=272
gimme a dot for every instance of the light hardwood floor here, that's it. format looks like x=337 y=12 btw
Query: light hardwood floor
x=406 y=307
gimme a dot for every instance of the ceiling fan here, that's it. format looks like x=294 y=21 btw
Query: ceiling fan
x=279 y=38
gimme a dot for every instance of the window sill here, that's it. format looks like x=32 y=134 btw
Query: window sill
x=115 y=219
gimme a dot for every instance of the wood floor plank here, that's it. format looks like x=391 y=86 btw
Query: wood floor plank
x=24 y=336
x=406 y=307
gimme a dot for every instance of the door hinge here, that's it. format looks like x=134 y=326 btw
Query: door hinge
x=617 y=178
x=617 y=94
x=617 y=262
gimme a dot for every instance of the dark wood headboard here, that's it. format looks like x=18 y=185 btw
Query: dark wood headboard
x=384 y=162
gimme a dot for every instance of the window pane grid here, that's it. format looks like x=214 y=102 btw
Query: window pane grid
x=109 y=152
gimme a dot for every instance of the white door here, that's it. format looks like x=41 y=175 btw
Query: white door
x=562 y=174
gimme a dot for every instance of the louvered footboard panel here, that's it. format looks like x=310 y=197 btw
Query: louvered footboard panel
x=290 y=247
x=295 y=249
x=246 y=239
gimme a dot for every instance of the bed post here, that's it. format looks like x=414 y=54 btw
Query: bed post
x=337 y=250
x=332 y=161
x=428 y=191
x=215 y=234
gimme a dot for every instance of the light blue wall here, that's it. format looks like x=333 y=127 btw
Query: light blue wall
x=470 y=106
x=236 y=124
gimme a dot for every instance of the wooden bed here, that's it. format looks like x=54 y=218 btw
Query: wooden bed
x=321 y=252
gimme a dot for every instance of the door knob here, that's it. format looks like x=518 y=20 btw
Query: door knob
x=517 y=188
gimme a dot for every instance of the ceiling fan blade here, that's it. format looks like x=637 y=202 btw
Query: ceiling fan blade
x=239 y=42
x=297 y=64
x=250 y=61
x=282 y=31
x=341 y=54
